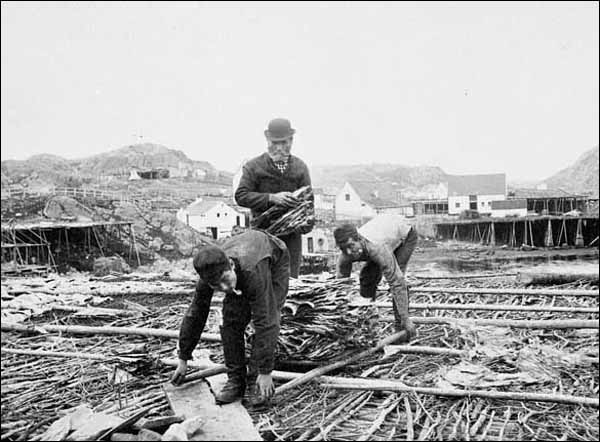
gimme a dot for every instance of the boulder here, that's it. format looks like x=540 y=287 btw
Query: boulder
x=124 y=437
x=156 y=244
x=65 y=208
x=148 y=435
x=113 y=264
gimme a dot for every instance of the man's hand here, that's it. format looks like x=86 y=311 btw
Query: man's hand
x=406 y=325
x=284 y=199
x=307 y=226
x=264 y=382
x=179 y=375
x=410 y=328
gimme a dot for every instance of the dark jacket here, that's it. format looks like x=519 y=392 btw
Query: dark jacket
x=260 y=177
x=265 y=287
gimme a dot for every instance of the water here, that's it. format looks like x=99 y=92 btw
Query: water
x=445 y=265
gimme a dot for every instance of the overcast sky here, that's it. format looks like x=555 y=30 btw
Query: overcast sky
x=470 y=88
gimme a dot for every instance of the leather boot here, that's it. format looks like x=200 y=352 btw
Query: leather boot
x=233 y=350
x=398 y=323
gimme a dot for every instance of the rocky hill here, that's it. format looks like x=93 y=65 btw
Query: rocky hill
x=580 y=177
x=41 y=170
x=331 y=178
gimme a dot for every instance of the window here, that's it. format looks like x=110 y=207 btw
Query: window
x=310 y=245
x=347 y=197
x=457 y=205
x=482 y=204
x=218 y=215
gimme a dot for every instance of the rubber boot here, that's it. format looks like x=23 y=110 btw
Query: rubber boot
x=233 y=350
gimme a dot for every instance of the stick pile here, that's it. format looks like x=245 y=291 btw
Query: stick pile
x=277 y=221
x=319 y=324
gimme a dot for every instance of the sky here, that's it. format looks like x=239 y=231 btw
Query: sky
x=469 y=87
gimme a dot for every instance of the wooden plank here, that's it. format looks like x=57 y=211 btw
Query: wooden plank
x=222 y=422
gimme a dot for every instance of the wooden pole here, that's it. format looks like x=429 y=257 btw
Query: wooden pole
x=97 y=240
x=396 y=386
x=383 y=385
x=310 y=375
x=513 y=235
x=531 y=233
x=515 y=323
x=566 y=232
x=132 y=232
x=67 y=242
x=549 y=242
x=466 y=276
x=85 y=330
x=579 y=234
x=508 y=292
x=68 y=355
x=492 y=307
x=212 y=337
x=492 y=234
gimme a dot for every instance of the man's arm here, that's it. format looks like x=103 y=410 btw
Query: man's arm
x=266 y=315
x=194 y=320
x=246 y=195
x=344 y=266
x=305 y=181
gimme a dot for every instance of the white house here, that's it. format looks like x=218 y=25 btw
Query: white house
x=133 y=175
x=359 y=200
x=475 y=192
x=318 y=241
x=213 y=217
x=513 y=207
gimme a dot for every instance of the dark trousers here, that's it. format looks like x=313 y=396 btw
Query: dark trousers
x=293 y=242
x=237 y=316
x=370 y=274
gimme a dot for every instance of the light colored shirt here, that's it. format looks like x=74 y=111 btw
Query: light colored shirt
x=386 y=229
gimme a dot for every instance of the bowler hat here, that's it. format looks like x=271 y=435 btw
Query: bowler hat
x=279 y=129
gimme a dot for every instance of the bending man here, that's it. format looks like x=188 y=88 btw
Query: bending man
x=386 y=244
x=252 y=270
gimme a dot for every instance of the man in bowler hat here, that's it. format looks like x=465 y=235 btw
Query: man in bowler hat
x=271 y=178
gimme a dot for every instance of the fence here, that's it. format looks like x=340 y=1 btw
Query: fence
x=9 y=192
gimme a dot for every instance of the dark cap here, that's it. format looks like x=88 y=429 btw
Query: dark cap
x=279 y=129
x=210 y=262
x=343 y=233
